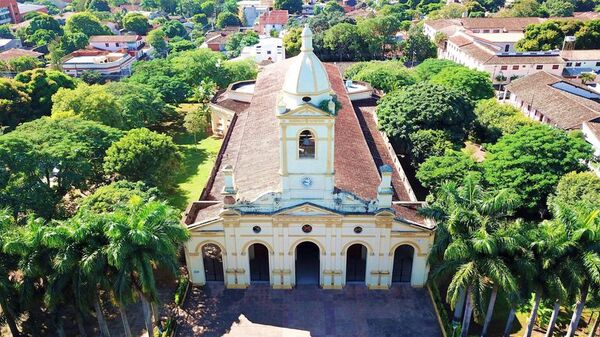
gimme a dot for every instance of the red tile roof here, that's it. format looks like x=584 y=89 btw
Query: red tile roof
x=252 y=146
x=274 y=17
x=17 y=52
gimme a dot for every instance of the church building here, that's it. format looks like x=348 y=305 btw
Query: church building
x=307 y=190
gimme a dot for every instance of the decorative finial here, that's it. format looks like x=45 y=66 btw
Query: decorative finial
x=306 y=39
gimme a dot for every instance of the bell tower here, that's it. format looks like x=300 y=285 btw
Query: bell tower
x=306 y=111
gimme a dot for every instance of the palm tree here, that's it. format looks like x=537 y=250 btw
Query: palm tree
x=584 y=256
x=142 y=237
x=549 y=244
x=472 y=223
x=8 y=263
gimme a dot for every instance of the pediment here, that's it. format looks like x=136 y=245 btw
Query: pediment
x=307 y=210
x=306 y=110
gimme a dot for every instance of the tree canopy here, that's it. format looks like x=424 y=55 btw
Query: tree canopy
x=577 y=190
x=495 y=119
x=136 y=22
x=292 y=6
x=476 y=84
x=41 y=84
x=110 y=197
x=14 y=103
x=227 y=19
x=86 y=23
x=145 y=156
x=550 y=35
x=532 y=160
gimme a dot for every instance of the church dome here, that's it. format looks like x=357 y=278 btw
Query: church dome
x=306 y=76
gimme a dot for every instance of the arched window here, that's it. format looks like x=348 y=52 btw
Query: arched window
x=306 y=144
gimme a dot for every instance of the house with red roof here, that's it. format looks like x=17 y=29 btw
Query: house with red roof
x=272 y=20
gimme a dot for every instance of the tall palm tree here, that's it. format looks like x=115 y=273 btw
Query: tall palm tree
x=8 y=263
x=584 y=256
x=548 y=244
x=472 y=224
x=142 y=237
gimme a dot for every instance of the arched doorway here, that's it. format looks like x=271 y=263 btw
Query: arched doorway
x=213 y=262
x=403 y=261
x=259 y=263
x=356 y=263
x=307 y=263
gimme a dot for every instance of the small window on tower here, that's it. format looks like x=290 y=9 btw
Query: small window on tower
x=306 y=145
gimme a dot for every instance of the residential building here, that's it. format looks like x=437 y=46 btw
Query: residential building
x=272 y=20
x=557 y=101
x=132 y=44
x=9 y=12
x=581 y=61
x=227 y=103
x=591 y=131
x=305 y=193
x=251 y=10
x=13 y=53
x=503 y=66
x=216 y=40
x=29 y=8
x=267 y=49
x=108 y=64
x=478 y=25
x=6 y=44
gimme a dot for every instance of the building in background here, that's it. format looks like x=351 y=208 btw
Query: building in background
x=132 y=44
x=272 y=20
x=6 y=44
x=14 y=53
x=29 y=8
x=216 y=40
x=581 y=61
x=252 y=9
x=9 y=12
x=267 y=49
x=113 y=65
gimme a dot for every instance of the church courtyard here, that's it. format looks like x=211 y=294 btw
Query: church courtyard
x=212 y=311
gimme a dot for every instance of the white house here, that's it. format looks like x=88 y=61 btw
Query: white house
x=581 y=61
x=109 y=64
x=267 y=49
x=132 y=44
x=306 y=193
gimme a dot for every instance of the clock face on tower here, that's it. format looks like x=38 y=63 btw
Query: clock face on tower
x=306 y=181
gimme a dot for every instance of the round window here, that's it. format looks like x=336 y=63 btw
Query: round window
x=256 y=229
x=306 y=99
x=307 y=228
x=357 y=229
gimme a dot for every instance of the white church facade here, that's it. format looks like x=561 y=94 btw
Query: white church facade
x=306 y=190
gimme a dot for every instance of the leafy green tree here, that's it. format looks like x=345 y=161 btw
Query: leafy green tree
x=71 y=42
x=168 y=6
x=227 y=19
x=548 y=35
x=14 y=103
x=41 y=84
x=174 y=28
x=159 y=75
x=197 y=121
x=5 y=32
x=449 y=11
x=208 y=8
x=189 y=8
x=92 y=102
x=557 y=8
x=86 y=23
x=343 y=40
x=237 y=71
x=452 y=166
x=230 y=6
x=178 y=44
x=144 y=155
x=41 y=37
x=292 y=42
x=523 y=8
x=431 y=67
x=378 y=35
x=44 y=22
x=200 y=19
x=292 y=6
x=238 y=41
x=476 y=84
x=495 y=119
x=143 y=237
x=473 y=238
x=136 y=22
x=532 y=160
x=333 y=6
x=384 y=75
x=98 y=6
x=157 y=39
x=418 y=47
x=577 y=190
x=140 y=105
x=8 y=287
x=108 y=198
x=428 y=143
x=425 y=106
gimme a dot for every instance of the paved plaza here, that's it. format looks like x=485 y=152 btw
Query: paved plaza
x=355 y=311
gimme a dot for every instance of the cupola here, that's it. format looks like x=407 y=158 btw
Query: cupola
x=306 y=80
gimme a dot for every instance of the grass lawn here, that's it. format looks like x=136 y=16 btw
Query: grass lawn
x=198 y=159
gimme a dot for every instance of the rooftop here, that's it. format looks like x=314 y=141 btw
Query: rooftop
x=581 y=55
x=566 y=104
x=17 y=52
x=29 y=7
x=274 y=17
x=594 y=126
x=359 y=148
x=114 y=38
